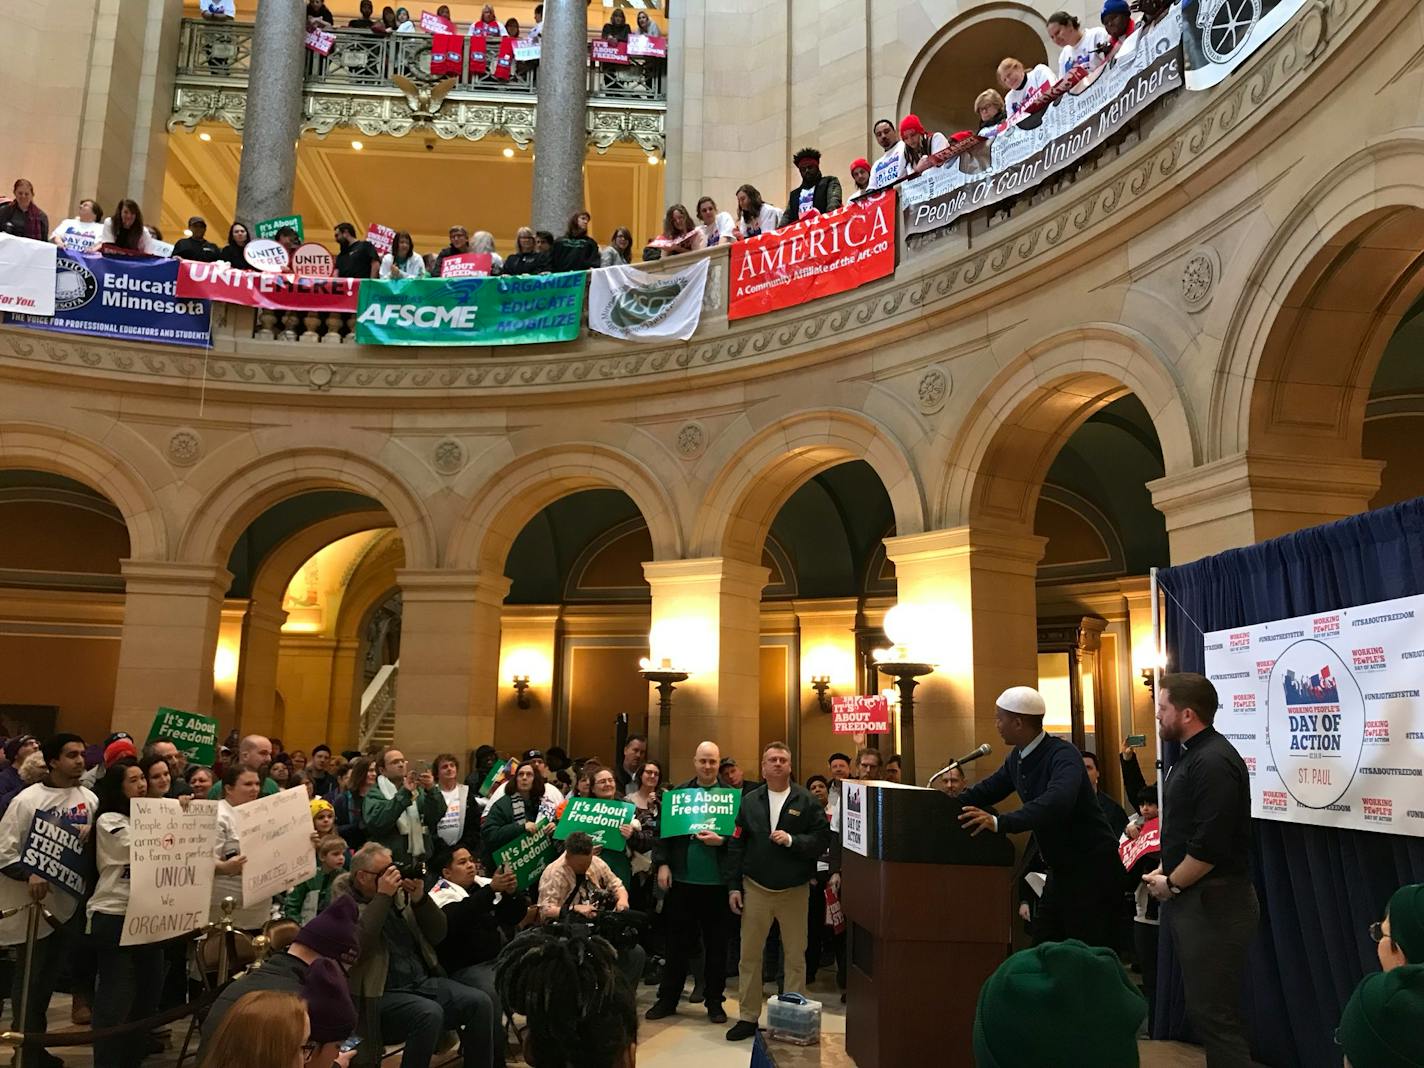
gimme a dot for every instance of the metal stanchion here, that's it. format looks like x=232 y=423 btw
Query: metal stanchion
x=15 y=1039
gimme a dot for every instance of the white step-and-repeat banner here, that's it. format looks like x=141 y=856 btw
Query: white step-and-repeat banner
x=1327 y=711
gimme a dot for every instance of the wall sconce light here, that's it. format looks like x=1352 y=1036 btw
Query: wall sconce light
x=521 y=691
x=1148 y=661
x=822 y=683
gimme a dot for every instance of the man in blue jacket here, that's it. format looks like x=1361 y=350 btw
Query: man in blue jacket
x=1082 y=897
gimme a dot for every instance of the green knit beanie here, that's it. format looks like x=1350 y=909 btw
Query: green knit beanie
x=1383 y=1022
x=1406 y=921
x=1061 y=1003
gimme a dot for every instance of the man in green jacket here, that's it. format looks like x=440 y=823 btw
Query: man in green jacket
x=402 y=810
x=771 y=859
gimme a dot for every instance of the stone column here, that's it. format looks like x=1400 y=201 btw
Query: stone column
x=343 y=717
x=274 y=113
x=827 y=631
x=560 y=132
x=171 y=619
x=706 y=617
x=978 y=588
x=257 y=677
x=1251 y=497
x=449 y=662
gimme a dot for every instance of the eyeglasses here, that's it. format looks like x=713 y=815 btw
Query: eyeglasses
x=1377 y=931
x=309 y=1050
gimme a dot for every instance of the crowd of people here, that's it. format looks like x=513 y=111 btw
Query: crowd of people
x=413 y=927
x=908 y=148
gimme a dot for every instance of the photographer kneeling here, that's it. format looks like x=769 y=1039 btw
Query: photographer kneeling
x=579 y=889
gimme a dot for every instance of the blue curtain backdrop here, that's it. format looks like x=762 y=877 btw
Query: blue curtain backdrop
x=1319 y=887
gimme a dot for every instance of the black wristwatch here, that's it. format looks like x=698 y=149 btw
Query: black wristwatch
x=1173 y=887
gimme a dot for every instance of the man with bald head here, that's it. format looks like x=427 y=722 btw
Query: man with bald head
x=690 y=870
x=255 y=754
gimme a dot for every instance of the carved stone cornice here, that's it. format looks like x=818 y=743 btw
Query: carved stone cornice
x=1189 y=133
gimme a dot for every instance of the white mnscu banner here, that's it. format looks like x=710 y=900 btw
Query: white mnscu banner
x=627 y=303
x=1326 y=710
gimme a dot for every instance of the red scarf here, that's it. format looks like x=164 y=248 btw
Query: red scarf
x=446 y=53
x=504 y=62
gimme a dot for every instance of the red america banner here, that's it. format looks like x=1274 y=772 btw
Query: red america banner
x=256 y=289
x=814 y=258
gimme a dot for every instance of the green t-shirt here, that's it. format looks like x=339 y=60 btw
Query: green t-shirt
x=702 y=866
x=269 y=787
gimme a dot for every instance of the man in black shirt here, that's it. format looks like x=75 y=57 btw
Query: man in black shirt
x=357 y=259
x=1116 y=817
x=197 y=247
x=1204 y=882
x=1082 y=895
x=368 y=9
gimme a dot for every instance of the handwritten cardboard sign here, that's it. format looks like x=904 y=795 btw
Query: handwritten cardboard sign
x=274 y=833
x=860 y=715
x=170 y=869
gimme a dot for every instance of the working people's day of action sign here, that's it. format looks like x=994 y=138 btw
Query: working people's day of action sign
x=170 y=868
x=1327 y=712
x=194 y=735
x=598 y=817
x=518 y=310
x=694 y=809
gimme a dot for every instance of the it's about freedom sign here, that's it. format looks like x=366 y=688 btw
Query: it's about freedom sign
x=695 y=809
x=526 y=856
x=519 y=310
x=1327 y=712
x=860 y=715
x=193 y=734
x=598 y=817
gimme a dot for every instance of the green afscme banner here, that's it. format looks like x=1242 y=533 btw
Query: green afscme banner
x=522 y=310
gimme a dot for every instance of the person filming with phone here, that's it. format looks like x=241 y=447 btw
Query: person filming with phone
x=404 y=808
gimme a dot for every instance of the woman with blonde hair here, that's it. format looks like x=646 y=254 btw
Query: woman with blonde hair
x=483 y=241
x=265 y=1029
x=526 y=258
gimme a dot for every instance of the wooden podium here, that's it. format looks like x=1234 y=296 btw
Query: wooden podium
x=929 y=910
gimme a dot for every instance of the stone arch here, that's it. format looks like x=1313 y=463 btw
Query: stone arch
x=749 y=487
x=62 y=451
x=1321 y=302
x=990 y=31
x=509 y=497
x=231 y=499
x=1017 y=426
x=280 y=566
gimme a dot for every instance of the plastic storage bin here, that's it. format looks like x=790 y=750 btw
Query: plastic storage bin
x=794 y=1018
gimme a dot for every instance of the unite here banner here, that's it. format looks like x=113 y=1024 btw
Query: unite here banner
x=813 y=258
x=1326 y=711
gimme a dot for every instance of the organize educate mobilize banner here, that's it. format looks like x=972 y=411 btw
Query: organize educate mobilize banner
x=1327 y=712
x=519 y=310
x=827 y=254
x=128 y=299
x=1147 y=66
x=627 y=303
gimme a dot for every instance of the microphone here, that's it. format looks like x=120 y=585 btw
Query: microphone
x=983 y=750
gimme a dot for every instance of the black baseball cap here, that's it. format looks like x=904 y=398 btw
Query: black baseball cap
x=533 y=754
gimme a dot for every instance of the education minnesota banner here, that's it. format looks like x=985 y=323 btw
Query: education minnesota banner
x=518 y=310
x=627 y=303
x=1326 y=710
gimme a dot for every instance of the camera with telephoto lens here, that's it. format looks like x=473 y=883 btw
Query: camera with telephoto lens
x=412 y=869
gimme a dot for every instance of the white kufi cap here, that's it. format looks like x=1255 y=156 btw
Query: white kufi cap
x=1024 y=700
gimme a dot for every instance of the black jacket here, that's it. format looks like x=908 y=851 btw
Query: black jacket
x=753 y=855
x=474 y=933
x=233 y=256
x=1060 y=806
x=16 y=223
x=574 y=254
x=526 y=263
x=673 y=851
x=196 y=248
x=282 y=972
x=826 y=198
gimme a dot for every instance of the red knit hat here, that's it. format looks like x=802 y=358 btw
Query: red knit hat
x=911 y=124
x=862 y=163
x=118 y=750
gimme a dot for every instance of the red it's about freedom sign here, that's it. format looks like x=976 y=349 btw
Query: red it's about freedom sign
x=256 y=289
x=860 y=715
x=828 y=254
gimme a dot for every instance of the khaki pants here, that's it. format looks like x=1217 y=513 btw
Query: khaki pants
x=759 y=907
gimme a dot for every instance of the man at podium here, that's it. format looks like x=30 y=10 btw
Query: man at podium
x=1082 y=896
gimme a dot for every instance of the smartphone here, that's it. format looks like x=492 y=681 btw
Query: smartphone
x=350 y=1044
x=1137 y=741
